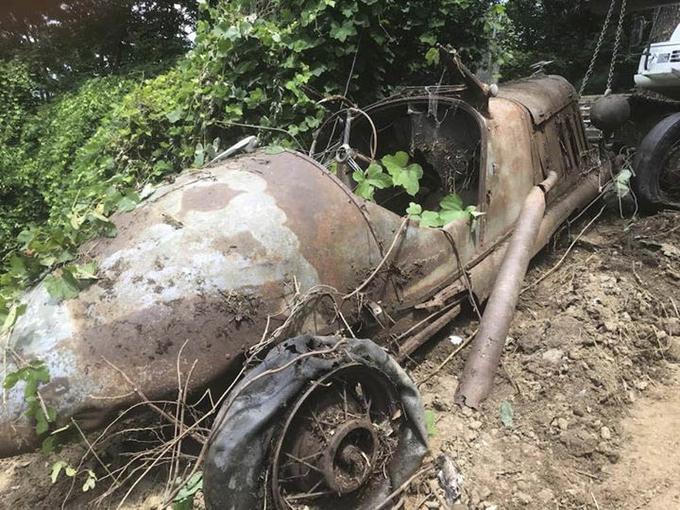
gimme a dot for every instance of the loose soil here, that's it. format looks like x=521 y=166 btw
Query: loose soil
x=590 y=375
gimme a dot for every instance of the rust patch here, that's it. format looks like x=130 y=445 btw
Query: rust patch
x=322 y=217
x=207 y=198
x=243 y=243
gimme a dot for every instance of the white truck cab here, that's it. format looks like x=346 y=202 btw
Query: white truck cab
x=659 y=67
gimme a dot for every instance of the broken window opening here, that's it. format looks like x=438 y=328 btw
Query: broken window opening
x=438 y=134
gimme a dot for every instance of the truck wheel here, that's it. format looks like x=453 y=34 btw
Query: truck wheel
x=336 y=430
x=657 y=166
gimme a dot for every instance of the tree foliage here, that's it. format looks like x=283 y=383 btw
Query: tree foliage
x=255 y=67
x=564 y=32
x=64 y=41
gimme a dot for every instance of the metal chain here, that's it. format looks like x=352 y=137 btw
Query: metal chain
x=617 y=45
x=597 y=47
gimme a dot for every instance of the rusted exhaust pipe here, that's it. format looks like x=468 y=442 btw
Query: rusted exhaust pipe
x=487 y=346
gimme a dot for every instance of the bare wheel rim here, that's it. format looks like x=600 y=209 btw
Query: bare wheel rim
x=336 y=442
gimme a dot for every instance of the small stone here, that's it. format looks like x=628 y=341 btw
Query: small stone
x=475 y=425
x=575 y=354
x=562 y=423
x=605 y=433
x=484 y=492
x=579 y=442
x=439 y=404
x=545 y=495
x=579 y=409
x=553 y=356
x=474 y=498
x=673 y=349
x=470 y=435
x=613 y=456
x=610 y=326
x=523 y=498
x=671 y=326
x=530 y=343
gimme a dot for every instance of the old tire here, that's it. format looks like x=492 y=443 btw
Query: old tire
x=295 y=432
x=656 y=183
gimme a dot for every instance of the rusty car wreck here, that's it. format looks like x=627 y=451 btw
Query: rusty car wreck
x=274 y=253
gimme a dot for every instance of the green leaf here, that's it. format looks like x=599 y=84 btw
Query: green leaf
x=89 y=481
x=447 y=216
x=414 y=210
x=274 y=149
x=87 y=271
x=185 y=497
x=402 y=175
x=38 y=371
x=11 y=380
x=452 y=202
x=15 y=312
x=49 y=445
x=409 y=178
x=395 y=162
x=342 y=32
x=430 y=219
x=175 y=115
x=62 y=287
x=506 y=413
x=56 y=469
x=376 y=177
x=190 y=488
x=432 y=56
x=128 y=202
x=364 y=190
x=41 y=425
x=430 y=423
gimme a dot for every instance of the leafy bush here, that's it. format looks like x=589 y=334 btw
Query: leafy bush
x=256 y=65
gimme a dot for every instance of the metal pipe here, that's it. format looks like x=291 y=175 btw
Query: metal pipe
x=411 y=344
x=487 y=346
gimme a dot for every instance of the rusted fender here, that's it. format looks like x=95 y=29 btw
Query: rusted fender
x=204 y=261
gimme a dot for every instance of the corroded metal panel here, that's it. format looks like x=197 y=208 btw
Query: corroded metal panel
x=207 y=261
x=543 y=96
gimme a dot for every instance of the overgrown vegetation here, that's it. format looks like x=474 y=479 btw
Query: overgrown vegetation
x=32 y=375
x=395 y=171
x=88 y=120
x=69 y=163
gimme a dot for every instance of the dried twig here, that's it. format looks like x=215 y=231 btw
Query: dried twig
x=381 y=263
x=564 y=256
x=404 y=486
x=449 y=358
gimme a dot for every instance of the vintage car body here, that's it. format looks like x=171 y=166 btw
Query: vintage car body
x=208 y=262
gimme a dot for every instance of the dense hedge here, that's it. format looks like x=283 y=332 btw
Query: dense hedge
x=68 y=164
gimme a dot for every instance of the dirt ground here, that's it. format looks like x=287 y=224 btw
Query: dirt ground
x=589 y=386
x=591 y=377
